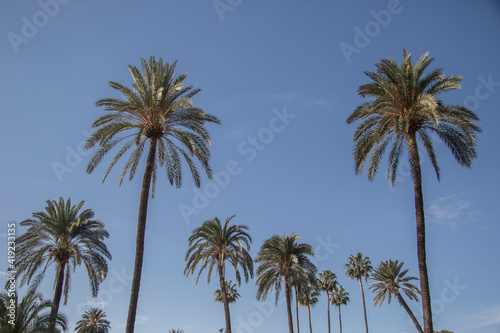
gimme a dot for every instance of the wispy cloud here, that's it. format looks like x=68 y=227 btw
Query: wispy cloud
x=139 y=320
x=486 y=317
x=452 y=209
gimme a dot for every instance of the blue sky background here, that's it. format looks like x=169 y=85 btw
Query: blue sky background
x=253 y=61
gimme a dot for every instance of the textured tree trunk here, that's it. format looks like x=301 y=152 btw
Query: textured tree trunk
x=223 y=294
x=364 y=305
x=328 y=307
x=407 y=308
x=309 y=313
x=141 y=232
x=419 y=214
x=288 y=305
x=297 y=308
x=340 y=320
x=57 y=297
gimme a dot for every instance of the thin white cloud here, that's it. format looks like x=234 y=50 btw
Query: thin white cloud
x=139 y=320
x=486 y=317
x=452 y=209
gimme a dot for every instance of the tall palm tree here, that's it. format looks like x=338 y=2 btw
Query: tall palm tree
x=357 y=268
x=282 y=261
x=231 y=292
x=391 y=280
x=214 y=244
x=309 y=296
x=328 y=283
x=340 y=297
x=67 y=238
x=93 y=321
x=405 y=107
x=156 y=112
x=31 y=315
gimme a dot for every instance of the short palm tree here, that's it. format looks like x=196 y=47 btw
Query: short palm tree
x=31 y=315
x=282 y=261
x=328 y=283
x=309 y=296
x=340 y=297
x=405 y=110
x=214 y=244
x=357 y=268
x=391 y=281
x=157 y=113
x=231 y=292
x=67 y=238
x=93 y=321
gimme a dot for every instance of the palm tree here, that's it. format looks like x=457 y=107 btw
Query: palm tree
x=328 y=283
x=29 y=315
x=405 y=104
x=308 y=297
x=340 y=297
x=157 y=109
x=390 y=281
x=283 y=261
x=93 y=321
x=213 y=245
x=231 y=292
x=357 y=268
x=67 y=238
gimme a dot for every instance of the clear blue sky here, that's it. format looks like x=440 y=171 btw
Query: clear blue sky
x=254 y=60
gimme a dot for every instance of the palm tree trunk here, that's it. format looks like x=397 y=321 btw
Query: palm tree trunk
x=419 y=214
x=223 y=293
x=309 y=313
x=328 y=307
x=407 y=308
x=364 y=305
x=57 y=297
x=297 y=308
x=340 y=320
x=141 y=232
x=288 y=305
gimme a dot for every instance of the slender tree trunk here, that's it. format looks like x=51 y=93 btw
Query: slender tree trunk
x=57 y=297
x=223 y=293
x=407 y=308
x=340 y=320
x=309 y=313
x=141 y=232
x=364 y=305
x=419 y=214
x=328 y=307
x=297 y=308
x=288 y=305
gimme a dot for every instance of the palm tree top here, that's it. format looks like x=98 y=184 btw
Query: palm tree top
x=93 y=321
x=64 y=235
x=157 y=107
x=358 y=267
x=405 y=102
x=339 y=297
x=327 y=280
x=391 y=279
x=214 y=243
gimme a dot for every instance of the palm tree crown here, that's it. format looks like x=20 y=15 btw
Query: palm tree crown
x=214 y=244
x=392 y=281
x=157 y=108
x=232 y=293
x=93 y=321
x=339 y=296
x=66 y=237
x=405 y=103
x=283 y=262
x=30 y=315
